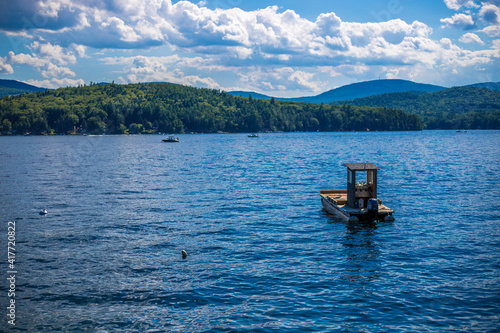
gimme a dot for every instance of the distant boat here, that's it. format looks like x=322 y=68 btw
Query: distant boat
x=253 y=135
x=171 y=138
x=359 y=202
x=43 y=212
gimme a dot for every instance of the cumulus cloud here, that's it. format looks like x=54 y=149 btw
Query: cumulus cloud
x=490 y=13
x=279 y=78
x=457 y=4
x=53 y=53
x=492 y=31
x=50 y=60
x=242 y=43
x=29 y=14
x=261 y=34
x=42 y=65
x=55 y=83
x=459 y=21
x=470 y=38
x=159 y=69
x=5 y=68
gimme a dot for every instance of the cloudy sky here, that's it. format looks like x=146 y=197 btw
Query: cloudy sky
x=277 y=47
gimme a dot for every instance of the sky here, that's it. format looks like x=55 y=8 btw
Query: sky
x=282 y=48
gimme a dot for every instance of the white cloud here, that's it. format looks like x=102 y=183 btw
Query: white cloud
x=5 y=68
x=44 y=66
x=79 y=50
x=158 y=69
x=117 y=27
x=459 y=21
x=266 y=48
x=470 y=38
x=496 y=46
x=457 y=4
x=490 y=13
x=492 y=31
x=50 y=60
x=53 y=53
x=55 y=83
x=279 y=78
x=270 y=51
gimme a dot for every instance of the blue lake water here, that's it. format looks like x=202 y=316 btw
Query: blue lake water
x=262 y=253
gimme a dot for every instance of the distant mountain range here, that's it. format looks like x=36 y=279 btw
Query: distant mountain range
x=451 y=101
x=453 y=108
x=366 y=89
x=487 y=85
x=13 y=87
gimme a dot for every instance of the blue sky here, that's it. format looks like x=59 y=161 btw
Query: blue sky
x=282 y=48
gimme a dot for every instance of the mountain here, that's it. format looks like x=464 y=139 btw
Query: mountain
x=13 y=87
x=456 y=100
x=457 y=107
x=487 y=85
x=250 y=93
x=353 y=91
x=368 y=88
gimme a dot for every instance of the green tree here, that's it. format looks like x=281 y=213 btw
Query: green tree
x=67 y=122
x=6 y=126
x=136 y=128
x=22 y=125
x=96 y=125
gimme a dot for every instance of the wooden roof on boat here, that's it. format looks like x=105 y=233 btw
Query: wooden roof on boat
x=361 y=166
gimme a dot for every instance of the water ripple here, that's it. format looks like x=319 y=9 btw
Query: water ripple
x=262 y=255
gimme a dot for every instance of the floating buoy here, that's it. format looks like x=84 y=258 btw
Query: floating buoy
x=43 y=212
x=184 y=254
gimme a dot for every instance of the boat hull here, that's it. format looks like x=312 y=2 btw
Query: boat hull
x=347 y=213
x=334 y=209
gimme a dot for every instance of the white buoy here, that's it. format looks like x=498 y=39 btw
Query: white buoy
x=184 y=254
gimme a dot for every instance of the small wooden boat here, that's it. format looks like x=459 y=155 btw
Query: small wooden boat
x=171 y=138
x=253 y=135
x=359 y=202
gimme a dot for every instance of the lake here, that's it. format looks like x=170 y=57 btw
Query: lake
x=262 y=253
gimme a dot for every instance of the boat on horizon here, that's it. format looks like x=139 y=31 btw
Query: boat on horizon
x=359 y=202
x=253 y=135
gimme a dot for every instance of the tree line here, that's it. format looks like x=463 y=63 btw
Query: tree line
x=453 y=108
x=170 y=108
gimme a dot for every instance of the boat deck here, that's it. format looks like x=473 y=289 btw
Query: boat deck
x=339 y=198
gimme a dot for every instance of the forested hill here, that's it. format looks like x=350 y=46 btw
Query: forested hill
x=164 y=107
x=12 y=87
x=453 y=108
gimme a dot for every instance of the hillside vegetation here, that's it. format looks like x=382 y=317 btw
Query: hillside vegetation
x=163 y=107
x=13 y=87
x=453 y=108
